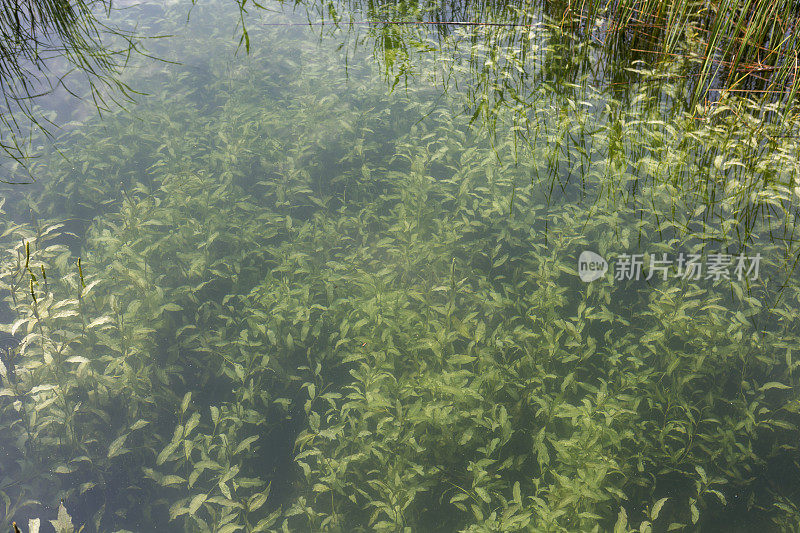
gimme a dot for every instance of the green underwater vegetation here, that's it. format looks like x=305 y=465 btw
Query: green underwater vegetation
x=280 y=294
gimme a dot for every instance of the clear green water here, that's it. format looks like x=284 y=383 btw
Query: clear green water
x=333 y=285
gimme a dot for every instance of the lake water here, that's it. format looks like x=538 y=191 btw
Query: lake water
x=400 y=277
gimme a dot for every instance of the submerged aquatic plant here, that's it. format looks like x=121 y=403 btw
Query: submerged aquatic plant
x=322 y=306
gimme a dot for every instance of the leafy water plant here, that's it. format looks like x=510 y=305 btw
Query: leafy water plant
x=286 y=305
